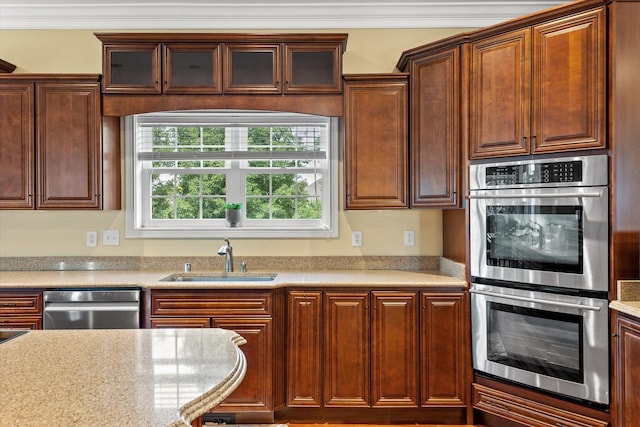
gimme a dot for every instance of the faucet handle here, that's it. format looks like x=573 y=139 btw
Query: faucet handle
x=243 y=267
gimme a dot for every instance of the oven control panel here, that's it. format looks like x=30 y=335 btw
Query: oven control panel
x=578 y=171
x=534 y=173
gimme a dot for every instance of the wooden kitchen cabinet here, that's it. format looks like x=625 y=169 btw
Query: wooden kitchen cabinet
x=209 y=63
x=626 y=370
x=250 y=314
x=21 y=310
x=436 y=85
x=376 y=141
x=53 y=152
x=539 y=88
x=443 y=349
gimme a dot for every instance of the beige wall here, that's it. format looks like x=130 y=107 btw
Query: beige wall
x=47 y=233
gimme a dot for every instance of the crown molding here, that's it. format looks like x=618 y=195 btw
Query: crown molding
x=260 y=14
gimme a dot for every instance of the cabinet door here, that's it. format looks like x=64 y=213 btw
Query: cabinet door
x=627 y=371
x=189 y=68
x=435 y=129
x=443 y=349
x=252 y=68
x=69 y=154
x=304 y=349
x=310 y=68
x=16 y=145
x=569 y=81
x=255 y=391
x=394 y=349
x=376 y=141
x=500 y=95
x=346 y=349
x=131 y=68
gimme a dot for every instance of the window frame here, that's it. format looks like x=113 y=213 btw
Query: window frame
x=326 y=227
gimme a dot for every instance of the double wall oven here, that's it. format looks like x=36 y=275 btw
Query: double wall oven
x=539 y=267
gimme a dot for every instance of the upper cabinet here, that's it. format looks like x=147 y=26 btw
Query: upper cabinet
x=53 y=156
x=539 y=88
x=376 y=141
x=187 y=63
x=437 y=83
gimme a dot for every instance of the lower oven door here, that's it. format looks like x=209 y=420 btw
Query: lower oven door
x=554 y=342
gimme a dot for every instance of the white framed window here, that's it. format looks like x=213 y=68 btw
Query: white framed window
x=182 y=168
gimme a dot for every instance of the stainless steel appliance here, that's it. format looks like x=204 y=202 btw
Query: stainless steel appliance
x=541 y=222
x=551 y=341
x=91 y=309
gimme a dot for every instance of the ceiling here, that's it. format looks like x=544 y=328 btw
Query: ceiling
x=261 y=14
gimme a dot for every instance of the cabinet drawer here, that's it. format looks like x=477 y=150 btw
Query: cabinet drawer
x=21 y=322
x=210 y=304
x=21 y=303
x=180 y=322
x=526 y=411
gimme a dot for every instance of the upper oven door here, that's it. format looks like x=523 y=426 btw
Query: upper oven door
x=546 y=236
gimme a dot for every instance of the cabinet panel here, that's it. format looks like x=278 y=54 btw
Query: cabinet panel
x=252 y=68
x=16 y=145
x=131 y=68
x=189 y=68
x=376 y=141
x=569 y=81
x=627 y=371
x=255 y=391
x=20 y=303
x=435 y=129
x=210 y=303
x=394 y=352
x=304 y=349
x=310 y=68
x=500 y=95
x=177 y=322
x=21 y=322
x=443 y=348
x=346 y=349
x=69 y=161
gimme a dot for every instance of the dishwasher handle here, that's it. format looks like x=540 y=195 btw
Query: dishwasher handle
x=84 y=306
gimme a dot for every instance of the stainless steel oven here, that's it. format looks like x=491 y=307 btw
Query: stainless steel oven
x=541 y=222
x=556 y=342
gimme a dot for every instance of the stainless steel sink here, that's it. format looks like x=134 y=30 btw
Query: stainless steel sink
x=222 y=277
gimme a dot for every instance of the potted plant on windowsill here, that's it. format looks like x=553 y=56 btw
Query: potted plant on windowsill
x=232 y=213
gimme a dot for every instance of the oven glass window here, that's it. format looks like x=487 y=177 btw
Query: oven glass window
x=539 y=341
x=547 y=238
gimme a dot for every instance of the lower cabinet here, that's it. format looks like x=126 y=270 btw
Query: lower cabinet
x=381 y=350
x=627 y=371
x=21 y=310
x=247 y=313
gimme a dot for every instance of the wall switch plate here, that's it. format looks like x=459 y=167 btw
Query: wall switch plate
x=356 y=238
x=409 y=238
x=111 y=237
x=92 y=239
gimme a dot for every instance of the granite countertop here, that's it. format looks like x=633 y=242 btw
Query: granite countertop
x=152 y=279
x=628 y=297
x=142 y=377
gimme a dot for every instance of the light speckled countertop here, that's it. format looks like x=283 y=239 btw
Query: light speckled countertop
x=143 y=377
x=152 y=279
x=628 y=297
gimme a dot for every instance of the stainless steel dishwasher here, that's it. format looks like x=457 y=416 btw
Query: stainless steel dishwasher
x=92 y=308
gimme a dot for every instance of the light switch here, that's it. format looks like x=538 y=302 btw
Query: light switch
x=356 y=238
x=92 y=239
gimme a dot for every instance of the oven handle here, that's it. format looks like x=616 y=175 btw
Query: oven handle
x=533 y=196
x=540 y=301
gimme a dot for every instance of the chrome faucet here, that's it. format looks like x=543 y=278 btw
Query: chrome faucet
x=227 y=251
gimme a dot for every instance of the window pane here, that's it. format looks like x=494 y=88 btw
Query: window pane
x=162 y=208
x=258 y=208
x=284 y=208
x=213 y=208
x=310 y=208
x=258 y=185
x=188 y=208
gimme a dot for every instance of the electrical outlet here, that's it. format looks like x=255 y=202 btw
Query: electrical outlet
x=409 y=238
x=111 y=237
x=92 y=239
x=356 y=238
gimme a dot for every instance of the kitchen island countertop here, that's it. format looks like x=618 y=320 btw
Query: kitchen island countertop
x=141 y=377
